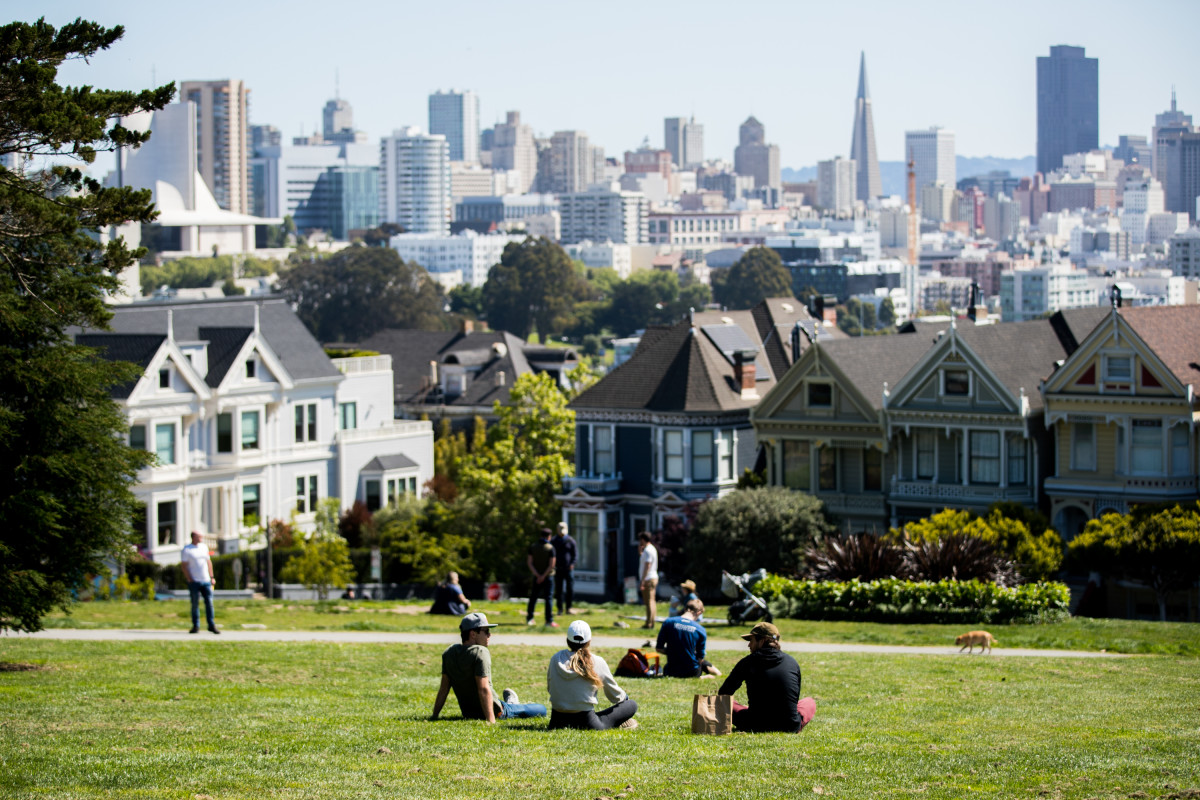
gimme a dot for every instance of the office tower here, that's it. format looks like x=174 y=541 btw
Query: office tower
x=836 y=187
x=337 y=123
x=937 y=202
x=1134 y=150
x=455 y=115
x=1168 y=123
x=1181 y=156
x=414 y=181
x=1001 y=218
x=868 y=184
x=755 y=158
x=932 y=152
x=221 y=139
x=572 y=162
x=264 y=136
x=684 y=140
x=1068 y=106
x=513 y=149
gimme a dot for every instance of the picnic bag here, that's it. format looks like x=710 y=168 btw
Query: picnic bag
x=712 y=714
x=635 y=664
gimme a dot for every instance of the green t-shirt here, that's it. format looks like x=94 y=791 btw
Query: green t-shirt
x=462 y=665
x=541 y=551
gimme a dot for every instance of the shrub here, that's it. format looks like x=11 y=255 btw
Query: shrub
x=857 y=557
x=324 y=559
x=898 y=600
x=960 y=557
x=1026 y=540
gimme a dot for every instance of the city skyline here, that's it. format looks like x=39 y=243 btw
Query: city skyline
x=807 y=104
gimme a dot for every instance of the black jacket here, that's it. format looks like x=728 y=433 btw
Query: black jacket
x=772 y=679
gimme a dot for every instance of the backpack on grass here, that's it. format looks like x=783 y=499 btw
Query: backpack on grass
x=635 y=664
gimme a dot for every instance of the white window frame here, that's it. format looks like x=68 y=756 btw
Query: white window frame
x=931 y=437
x=1088 y=464
x=1179 y=444
x=258 y=485
x=634 y=530
x=668 y=456
x=1109 y=359
x=837 y=471
x=304 y=417
x=164 y=374
x=586 y=561
x=308 y=487
x=173 y=426
x=970 y=383
x=352 y=405
x=979 y=459
x=241 y=416
x=158 y=502
x=711 y=437
x=599 y=469
x=726 y=455
x=1148 y=446
x=1018 y=452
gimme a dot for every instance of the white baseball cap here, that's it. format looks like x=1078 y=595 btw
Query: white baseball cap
x=579 y=632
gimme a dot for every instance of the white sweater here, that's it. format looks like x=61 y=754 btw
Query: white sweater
x=571 y=692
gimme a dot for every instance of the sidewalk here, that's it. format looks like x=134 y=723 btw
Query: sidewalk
x=504 y=639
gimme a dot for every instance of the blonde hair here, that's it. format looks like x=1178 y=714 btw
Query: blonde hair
x=581 y=663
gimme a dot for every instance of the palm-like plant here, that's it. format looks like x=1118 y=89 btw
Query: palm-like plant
x=859 y=556
x=959 y=557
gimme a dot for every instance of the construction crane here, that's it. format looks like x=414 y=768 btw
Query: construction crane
x=914 y=219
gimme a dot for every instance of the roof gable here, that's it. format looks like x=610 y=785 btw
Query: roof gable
x=1084 y=372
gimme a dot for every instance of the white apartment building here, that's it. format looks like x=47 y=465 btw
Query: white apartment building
x=932 y=153
x=455 y=115
x=607 y=254
x=414 y=181
x=1142 y=198
x=937 y=202
x=468 y=253
x=222 y=115
x=250 y=421
x=836 y=184
x=1162 y=227
x=1029 y=293
x=573 y=164
x=1184 y=253
x=514 y=150
x=1001 y=218
x=604 y=213
x=712 y=228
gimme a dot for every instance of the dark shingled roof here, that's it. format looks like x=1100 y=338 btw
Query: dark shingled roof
x=138 y=348
x=384 y=463
x=869 y=361
x=1020 y=354
x=223 y=346
x=1173 y=332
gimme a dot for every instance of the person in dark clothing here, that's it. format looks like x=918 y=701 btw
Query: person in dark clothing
x=541 y=564
x=564 y=569
x=448 y=597
x=772 y=680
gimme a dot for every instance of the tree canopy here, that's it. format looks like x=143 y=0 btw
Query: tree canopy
x=535 y=285
x=755 y=276
x=361 y=290
x=65 y=468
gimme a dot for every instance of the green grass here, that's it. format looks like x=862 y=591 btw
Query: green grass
x=230 y=720
x=1113 y=635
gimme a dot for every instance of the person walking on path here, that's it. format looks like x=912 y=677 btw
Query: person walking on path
x=573 y=678
x=467 y=669
x=565 y=552
x=683 y=641
x=648 y=576
x=198 y=569
x=772 y=679
x=541 y=565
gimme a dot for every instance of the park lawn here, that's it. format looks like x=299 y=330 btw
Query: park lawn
x=229 y=720
x=1112 y=635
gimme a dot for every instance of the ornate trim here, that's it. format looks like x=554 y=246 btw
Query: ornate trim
x=740 y=418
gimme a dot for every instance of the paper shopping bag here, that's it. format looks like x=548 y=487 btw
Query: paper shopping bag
x=712 y=714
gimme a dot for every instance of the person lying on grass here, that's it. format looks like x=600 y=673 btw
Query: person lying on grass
x=572 y=679
x=683 y=641
x=467 y=669
x=772 y=679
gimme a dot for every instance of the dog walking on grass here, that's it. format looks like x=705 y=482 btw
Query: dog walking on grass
x=969 y=640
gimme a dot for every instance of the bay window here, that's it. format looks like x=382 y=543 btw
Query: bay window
x=673 y=455
x=250 y=430
x=164 y=443
x=702 y=456
x=602 y=450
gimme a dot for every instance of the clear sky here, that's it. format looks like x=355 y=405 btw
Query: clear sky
x=615 y=69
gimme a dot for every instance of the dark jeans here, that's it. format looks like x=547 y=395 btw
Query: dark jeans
x=538 y=591
x=196 y=590
x=564 y=590
x=609 y=718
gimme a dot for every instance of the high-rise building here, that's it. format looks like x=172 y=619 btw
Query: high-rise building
x=836 y=184
x=337 y=116
x=754 y=157
x=414 y=181
x=605 y=214
x=221 y=139
x=1134 y=150
x=1143 y=199
x=572 y=162
x=1181 y=155
x=1068 y=106
x=513 y=149
x=1166 y=125
x=684 y=140
x=868 y=184
x=932 y=153
x=455 y=115
x=264 y=136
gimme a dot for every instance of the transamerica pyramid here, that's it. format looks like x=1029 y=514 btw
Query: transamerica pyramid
x=862 y=146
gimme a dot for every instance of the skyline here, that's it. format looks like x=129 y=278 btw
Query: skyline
x=802 y=89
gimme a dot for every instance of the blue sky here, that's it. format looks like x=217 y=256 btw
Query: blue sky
x=615 y=69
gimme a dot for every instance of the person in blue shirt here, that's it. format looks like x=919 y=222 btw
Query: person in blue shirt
x=683 y=641
x=448 y=597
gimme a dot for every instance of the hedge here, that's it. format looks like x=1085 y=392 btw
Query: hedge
x=896 y=600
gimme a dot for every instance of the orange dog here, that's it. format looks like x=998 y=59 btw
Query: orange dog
x=969 y=640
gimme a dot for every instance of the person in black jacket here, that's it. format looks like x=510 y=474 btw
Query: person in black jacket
x=565 y=552
x=772 y=680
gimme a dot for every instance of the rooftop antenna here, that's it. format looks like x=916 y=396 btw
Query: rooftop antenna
x=1172 y=97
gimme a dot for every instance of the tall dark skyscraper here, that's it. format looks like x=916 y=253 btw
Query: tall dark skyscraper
x=868 y=183
x=1068 y=105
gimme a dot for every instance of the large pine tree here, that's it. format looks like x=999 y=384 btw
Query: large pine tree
x=65 y=469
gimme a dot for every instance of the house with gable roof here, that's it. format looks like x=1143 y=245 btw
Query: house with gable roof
x=249 y=420
x=671 y=425
x=1122 y=411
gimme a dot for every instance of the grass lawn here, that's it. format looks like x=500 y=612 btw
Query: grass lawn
x=226 y=719
x=1113 y=635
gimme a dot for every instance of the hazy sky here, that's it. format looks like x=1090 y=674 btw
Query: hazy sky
x=615 y=69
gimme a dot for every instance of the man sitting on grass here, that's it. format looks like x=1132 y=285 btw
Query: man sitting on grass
x=683 y=641
x=772 y=679
x=467 y=669
x=448 y=597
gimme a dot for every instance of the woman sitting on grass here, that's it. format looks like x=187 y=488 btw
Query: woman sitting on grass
x=572 y=680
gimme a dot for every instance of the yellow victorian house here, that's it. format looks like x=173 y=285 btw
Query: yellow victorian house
x=1122 y=411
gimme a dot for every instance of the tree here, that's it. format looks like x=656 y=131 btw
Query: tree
x=751 y=528
x=1155 y=545
x=466 y=300
x=65 y=470
x=507 y=487
x=856 y=318
x=361 y=290
x=755 y=276
x=535 y=285
x=324 y=559
x=887 y=313
x=419 y=544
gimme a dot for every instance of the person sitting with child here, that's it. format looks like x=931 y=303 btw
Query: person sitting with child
x=573 y=678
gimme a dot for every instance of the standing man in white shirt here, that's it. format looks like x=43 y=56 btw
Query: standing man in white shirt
x=648 y=575
x=198 y=569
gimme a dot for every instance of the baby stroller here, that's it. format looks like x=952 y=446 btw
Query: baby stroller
x=746 y=607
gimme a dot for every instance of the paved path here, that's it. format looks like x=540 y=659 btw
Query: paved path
x=510 y=639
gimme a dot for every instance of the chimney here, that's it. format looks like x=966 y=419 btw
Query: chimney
x=468 y=327
x=499 y=379
x=433 y=379
x=745 y=373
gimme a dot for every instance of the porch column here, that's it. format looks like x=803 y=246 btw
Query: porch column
x=966 y=457
x=1003 y=459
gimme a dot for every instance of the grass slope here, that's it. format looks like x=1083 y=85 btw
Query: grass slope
x=229 y=720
